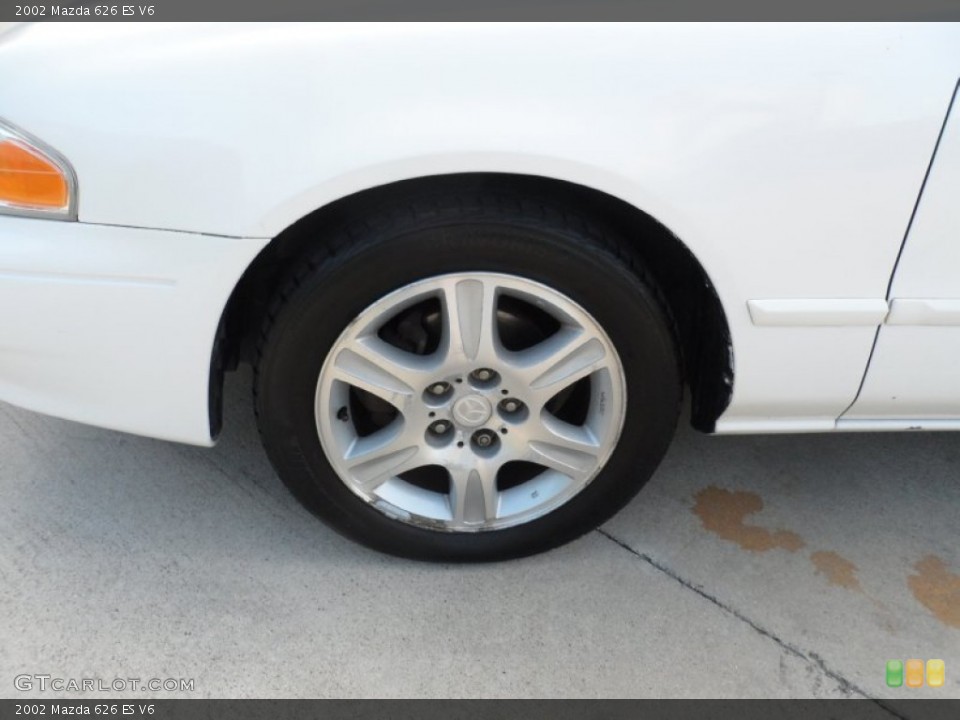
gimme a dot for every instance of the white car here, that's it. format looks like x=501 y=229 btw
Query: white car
x=474 y=266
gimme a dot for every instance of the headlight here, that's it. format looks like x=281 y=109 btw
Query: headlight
x=35 y=180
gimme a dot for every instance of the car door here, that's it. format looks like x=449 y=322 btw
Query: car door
x=913 y=379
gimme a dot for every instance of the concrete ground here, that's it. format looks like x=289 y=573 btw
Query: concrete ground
x=787 y=566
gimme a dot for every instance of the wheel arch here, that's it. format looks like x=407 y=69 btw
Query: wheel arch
x=702 y=330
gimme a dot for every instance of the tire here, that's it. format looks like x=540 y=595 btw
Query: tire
x=467 y=240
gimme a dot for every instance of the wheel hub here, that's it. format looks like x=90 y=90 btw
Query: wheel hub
x=472 y=411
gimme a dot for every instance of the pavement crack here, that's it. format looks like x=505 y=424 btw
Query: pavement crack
x=846 y=686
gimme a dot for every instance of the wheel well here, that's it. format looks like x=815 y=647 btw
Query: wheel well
x=701 y=326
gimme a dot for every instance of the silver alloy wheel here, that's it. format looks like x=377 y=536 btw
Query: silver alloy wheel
x=472 y=405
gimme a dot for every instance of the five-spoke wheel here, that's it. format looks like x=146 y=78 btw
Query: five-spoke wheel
x=517 y=395
x=466 y=375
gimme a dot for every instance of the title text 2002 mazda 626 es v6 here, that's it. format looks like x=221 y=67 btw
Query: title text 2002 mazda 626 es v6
x=475 y=266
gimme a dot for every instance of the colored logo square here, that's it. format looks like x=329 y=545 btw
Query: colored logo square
x=914 y=673
x=894 y=673
x=936 y=673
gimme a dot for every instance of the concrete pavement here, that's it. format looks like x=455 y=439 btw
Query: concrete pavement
x=790 y=566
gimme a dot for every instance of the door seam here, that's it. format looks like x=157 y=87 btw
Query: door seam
x=903 y=244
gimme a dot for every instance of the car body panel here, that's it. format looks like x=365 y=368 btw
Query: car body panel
x=914 y=373
x=788 y=158
x=114 y=326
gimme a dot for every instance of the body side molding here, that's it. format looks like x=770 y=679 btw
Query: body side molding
x=817 y=312
x=924 y=311
x=822 y=312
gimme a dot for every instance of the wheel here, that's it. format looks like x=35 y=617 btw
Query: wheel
x=467 y=379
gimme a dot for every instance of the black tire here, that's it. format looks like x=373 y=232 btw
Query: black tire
x=465 y=231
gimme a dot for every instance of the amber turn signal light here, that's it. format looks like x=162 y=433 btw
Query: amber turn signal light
x=33 y=180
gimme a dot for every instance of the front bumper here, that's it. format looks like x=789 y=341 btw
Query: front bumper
x=114 y=326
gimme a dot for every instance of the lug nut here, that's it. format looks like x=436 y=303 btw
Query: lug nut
x=511 y=405
x=483 y=374
x=439 y=427
x=439 y=388
x=484 y=438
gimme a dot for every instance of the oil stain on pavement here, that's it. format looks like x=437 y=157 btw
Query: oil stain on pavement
x=937 y=589
x=836 y=569
x=723 y=512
